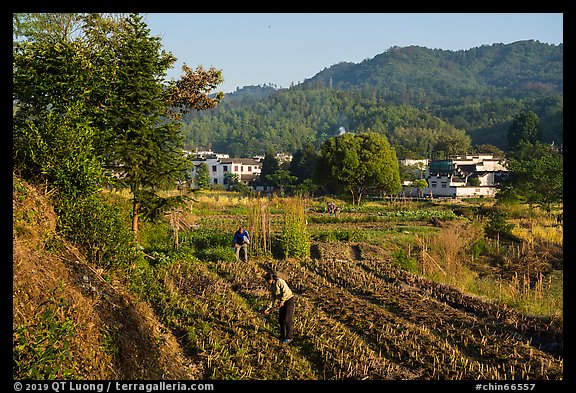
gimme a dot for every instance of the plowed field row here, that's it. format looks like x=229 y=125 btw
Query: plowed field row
x=357 y=316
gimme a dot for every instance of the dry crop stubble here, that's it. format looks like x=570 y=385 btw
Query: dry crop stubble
x=457 y=344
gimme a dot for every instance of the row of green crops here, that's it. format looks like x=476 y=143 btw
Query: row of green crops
x=388 y=215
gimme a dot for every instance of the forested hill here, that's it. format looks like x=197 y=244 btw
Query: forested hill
x=415 y=96
x=520 y=69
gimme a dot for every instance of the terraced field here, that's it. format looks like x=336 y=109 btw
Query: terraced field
x=362 y=311
x=357 y=316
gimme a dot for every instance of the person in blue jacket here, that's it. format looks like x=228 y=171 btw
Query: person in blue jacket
x=241 y=241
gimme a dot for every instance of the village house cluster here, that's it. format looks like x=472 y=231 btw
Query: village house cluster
x=456 y=177
x=247 y=169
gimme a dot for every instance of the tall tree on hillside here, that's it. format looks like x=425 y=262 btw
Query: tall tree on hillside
x=202 y=180
x=146 y=143
x=53 y=136
x=358 y=163
x=524 y=128
x=109 y=81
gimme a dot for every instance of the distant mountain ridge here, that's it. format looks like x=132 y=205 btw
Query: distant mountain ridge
x=516 y=68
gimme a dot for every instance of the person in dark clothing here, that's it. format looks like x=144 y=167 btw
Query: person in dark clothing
x=281 y=295
x=332 y=209
x=241 y=241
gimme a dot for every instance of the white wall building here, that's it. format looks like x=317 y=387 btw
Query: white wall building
x=452 y=177
x=419 y=162
x=247 y=169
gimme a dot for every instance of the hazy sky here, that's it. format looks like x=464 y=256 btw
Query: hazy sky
x=281 y=48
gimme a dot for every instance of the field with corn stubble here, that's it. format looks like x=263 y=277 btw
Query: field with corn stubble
x=369 y=301
x=390 y=290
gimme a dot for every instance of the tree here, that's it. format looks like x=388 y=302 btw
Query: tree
x=524 y=128
x=269 y=165
x=231 y=179
x=306 y=188
x=56 y=83
x=39 y=26
x=142 y=139
x=234 y=184
x=474 y=182
x=535 y=175
x=303 y=163
x=145 y=147
x=192 y=90
x=420 y=184
x=53 y=136
x=281 y=179
x=358 y=163
x=488 y=148
x=104 y=86
x=452 y=143
x=202 y=180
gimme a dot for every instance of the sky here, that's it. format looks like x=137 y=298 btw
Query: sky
x=286 y=48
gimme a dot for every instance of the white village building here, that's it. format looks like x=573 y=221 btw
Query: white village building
x=453 y=177
x=247 y=169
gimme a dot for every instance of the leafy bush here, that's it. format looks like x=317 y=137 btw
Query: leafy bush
x=97 y=228
x=498 y=226
x=294 y=238
x=143 y=280
x=405 y=262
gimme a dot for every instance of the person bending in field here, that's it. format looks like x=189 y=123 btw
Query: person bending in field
x=281 y=295
x=332 y=209
x=241 y=241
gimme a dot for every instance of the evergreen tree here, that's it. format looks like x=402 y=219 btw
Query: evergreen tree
x=146 y=146
x=269 y=165
x=202 y=180
x=303 y=163
x=281 y=179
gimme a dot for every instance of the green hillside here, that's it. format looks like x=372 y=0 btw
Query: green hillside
x=516 y=70
x=477 y=92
